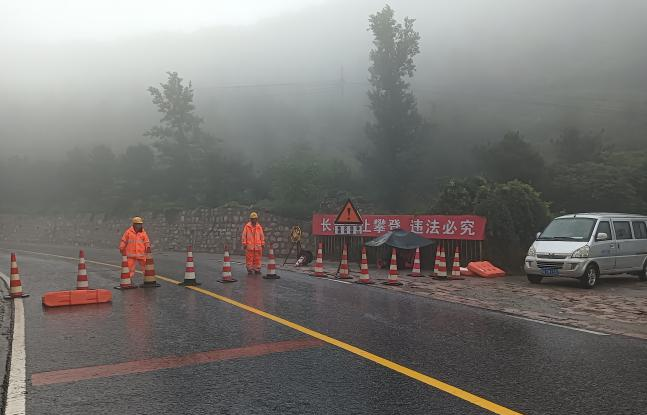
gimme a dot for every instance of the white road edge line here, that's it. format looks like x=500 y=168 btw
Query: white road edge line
x=341 y=282
x=597 y=333
x=16 y=389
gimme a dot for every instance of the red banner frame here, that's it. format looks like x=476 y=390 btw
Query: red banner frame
x=463 y=227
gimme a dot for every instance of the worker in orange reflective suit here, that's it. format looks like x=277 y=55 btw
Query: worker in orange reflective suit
x=253 y=243
x=133 y=245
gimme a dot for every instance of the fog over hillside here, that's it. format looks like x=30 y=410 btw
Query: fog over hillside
x=485 y=67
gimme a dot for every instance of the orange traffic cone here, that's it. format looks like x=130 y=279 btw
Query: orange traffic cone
x=393 y=271
x=189 y=270
x=319 y=268
x=343 y=266
x=125 y=282
x=82 y=274
x=436 y=262
x=15 y=286
x=415 y=272
x=150 y=278
x=271 y=267
x=441 y=273
x=226 y=268
x=364 y=278
x=456 y=264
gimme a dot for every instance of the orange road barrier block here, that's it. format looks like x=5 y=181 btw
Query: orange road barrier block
x=76 y=297
x=343 y=266
x=466 y=272
x=15 y=285
x=485 y=269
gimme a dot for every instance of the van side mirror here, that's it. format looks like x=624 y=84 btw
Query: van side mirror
x=537 y=236
x=601 y=236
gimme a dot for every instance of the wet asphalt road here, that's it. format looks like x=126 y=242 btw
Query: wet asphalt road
x=525 y=366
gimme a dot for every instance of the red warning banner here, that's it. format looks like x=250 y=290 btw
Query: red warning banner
x=465 y=227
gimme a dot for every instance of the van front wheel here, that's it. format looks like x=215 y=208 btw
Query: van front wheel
x=590 y=277
x=643 y=275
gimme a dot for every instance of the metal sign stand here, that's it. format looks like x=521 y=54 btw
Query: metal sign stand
x=348 y=222
x=295 y=237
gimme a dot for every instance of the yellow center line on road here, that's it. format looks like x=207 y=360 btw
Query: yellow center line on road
x=438 y=384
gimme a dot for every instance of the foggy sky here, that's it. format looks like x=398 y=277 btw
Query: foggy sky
x=45 y=21
x=70 y=77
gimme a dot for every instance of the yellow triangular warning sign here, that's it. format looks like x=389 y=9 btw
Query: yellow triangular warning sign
x=349 y=215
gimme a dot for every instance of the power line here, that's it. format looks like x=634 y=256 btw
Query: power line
x=328 y=86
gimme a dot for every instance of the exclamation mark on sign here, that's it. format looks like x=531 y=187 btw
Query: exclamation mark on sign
x=348 y=213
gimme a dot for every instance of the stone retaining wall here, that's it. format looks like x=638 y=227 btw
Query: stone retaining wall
x=207 y=229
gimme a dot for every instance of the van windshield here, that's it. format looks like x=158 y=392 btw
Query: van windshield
x=568 y=229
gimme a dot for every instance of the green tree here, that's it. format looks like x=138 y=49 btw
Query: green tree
x=514 y=210
x=528 y=211
x=397 y=125
x=135 y=179
x=574 y=147
x=101 y=175
x=185 y=149
x=511 y=158
x=596 y=187
x=457 y=196
x=232 y=179
x=302 y=179
x=502 y=244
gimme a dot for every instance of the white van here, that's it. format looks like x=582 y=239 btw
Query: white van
x=586 y=245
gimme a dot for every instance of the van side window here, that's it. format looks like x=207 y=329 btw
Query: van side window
x=604 y=227
x=640 y=230
x=623 y=230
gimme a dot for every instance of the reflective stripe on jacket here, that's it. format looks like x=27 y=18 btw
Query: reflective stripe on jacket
x=253 y=237
x=134 y=243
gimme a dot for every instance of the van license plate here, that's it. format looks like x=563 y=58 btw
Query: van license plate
x=550 y=271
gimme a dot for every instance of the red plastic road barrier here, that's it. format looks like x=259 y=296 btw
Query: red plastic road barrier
x=76 y=297
x=466 y=272
x=485 y=269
